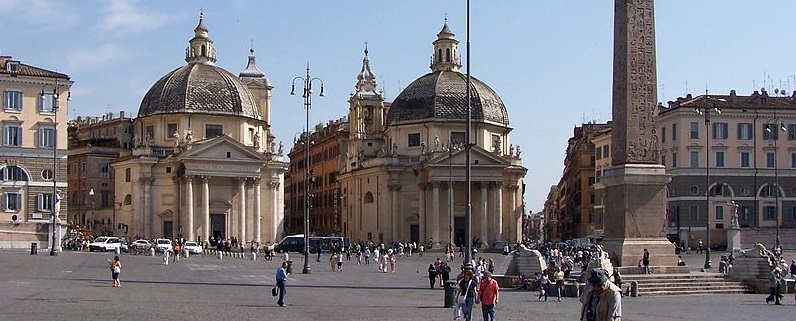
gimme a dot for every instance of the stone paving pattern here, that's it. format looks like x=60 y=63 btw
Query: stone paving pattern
x=77 y=286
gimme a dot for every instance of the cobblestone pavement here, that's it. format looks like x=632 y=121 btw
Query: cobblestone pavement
x=77 y=286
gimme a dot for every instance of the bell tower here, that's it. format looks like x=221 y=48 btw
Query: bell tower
x=365 y=116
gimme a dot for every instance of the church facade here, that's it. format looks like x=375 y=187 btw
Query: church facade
x=403 y=171
x=204 y=162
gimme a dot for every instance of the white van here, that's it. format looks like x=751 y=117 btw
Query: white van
x=105 y=243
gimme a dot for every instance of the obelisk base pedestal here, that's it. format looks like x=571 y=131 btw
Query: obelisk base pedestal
x=734 y=239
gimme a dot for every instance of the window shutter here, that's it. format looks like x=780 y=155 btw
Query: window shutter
x=38 y=202
x=5 y=201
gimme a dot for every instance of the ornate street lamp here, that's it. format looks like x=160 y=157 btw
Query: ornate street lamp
x=307 y=95
x=771 y=130
x=706 y=110
x=55 y=199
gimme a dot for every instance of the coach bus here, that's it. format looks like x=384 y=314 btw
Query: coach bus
x=295 y=243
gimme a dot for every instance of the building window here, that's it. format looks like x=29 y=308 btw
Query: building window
x=793 y=213
x=12 y=134
x=127 y=129
x=496 y=142
x=44 y=202
x=719 y=213
x=791 y=131
x=171 y=129
x=770 y=132
x=12 y=201
x=46 y=136
x=212 y=130
x=769 y=213
x=674 y=131
x=745 y=214
x=693 y=213
x=368 y=198
x=606 y=151
x=745 y=131
x=768 y=191
x=720 y=131
x=47 y=174
x=12 y=100
x=14 y=173
x=674 y=160
x=46 y=103
x=694 y=159
x=745 y=157
x=663 y=134
x=150 y=134
x=413 y=140
x=458 y=138
x=719 y=158
x=792 y=160
x=127 y=175
x=694 y=132
x=663 y=159
x=598 y=152
x=770 y=160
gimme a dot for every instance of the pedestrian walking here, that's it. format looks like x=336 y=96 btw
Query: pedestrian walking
x=166 y=253
x=116 y=269
x=177 y=252
x=466 y=292
x=281 y=283
x=489 y=293
x=340 y=262
x=432 y=275
x=603 y=302
x=645 y=262
x=774 y=282
x=544 y=285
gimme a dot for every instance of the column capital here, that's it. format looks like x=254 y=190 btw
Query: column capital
x=144 y=180
x=203 y=178
x=273 y=184
x=497 y=184
x=188 y=179
x=512 y=187
x=255 y=181
x=394 y=187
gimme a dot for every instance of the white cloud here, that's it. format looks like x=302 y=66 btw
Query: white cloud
x=128 y=17
x=46 y=13
x=87 y=58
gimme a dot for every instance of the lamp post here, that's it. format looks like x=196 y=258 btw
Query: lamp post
x=91 y=195
x=706 y=110
x=307 y=95
x=771 y=128
x=55 y=199
x=451 y=148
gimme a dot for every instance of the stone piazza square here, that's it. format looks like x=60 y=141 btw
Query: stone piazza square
x=77 y=286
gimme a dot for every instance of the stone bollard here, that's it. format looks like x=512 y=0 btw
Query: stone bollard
x=220 y=255
x=151 y=251
x=187 y=255
x=254 y=256
x=634 y=288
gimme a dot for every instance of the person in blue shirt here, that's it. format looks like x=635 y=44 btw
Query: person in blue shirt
x=281 y=283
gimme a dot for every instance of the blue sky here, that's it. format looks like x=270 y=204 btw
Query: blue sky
x=550 y=61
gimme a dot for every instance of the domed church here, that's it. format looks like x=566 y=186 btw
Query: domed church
x=201 y=129
x=404 y=173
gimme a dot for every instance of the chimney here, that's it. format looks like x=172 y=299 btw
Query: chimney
x=121 y=114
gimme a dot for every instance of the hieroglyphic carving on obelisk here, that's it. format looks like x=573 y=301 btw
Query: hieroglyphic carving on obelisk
x=634 y=134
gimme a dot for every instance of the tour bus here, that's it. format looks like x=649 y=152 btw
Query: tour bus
x=295 y=243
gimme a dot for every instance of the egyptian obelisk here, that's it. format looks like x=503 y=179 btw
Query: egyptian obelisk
x=635 y=184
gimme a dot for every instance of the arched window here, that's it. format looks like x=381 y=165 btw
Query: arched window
x=128 y=199
x=368 y=198
x=204 y=51
x=439 y=55
x=14 y=173
x=448 y=55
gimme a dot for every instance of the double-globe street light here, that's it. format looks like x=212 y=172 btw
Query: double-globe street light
x=307 y=95
x=55 y=203
x=706 y=110
x=772 y=128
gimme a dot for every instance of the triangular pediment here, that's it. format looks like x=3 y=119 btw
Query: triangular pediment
x=221 y=148
x=478 y=156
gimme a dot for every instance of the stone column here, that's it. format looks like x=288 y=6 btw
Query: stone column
x=451 y=237
x=499 y=212
x=274 y=224
x=189 y=207
x=435 y=212
x=206 y=207
x=258 y=215
x=177 y=199
x=242 y=209
x=394 y=188
x=514 y=229
x=146 y=206
x=422 y=214
x=635 y=184
x=484 y=213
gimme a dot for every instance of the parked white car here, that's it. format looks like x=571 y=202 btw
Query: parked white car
x=192 y=248
x=105 y=243
x=163 y=245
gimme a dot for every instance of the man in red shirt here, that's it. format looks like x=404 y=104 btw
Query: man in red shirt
x=488 y=291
